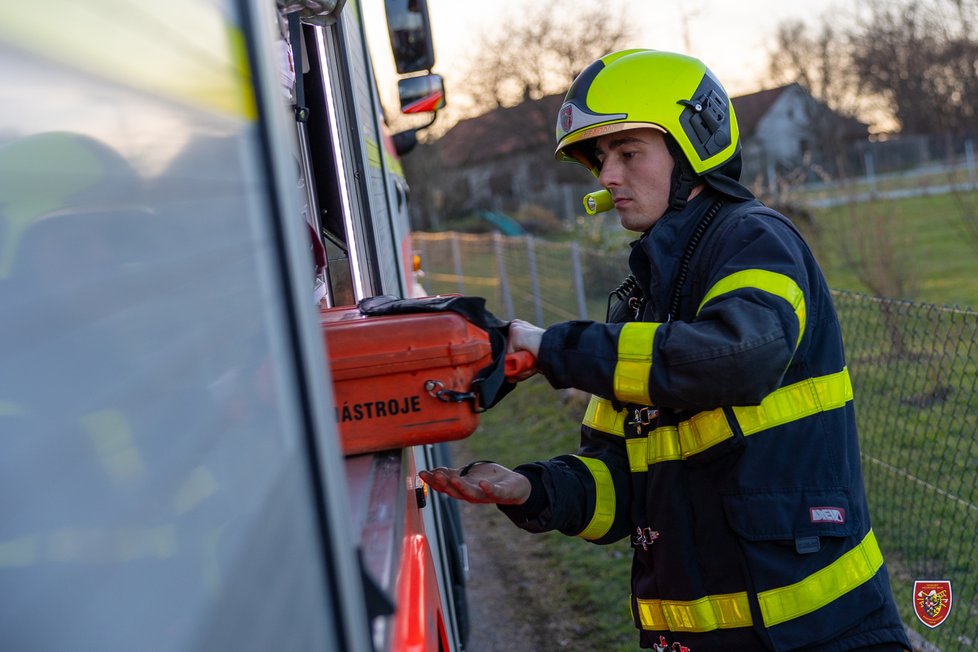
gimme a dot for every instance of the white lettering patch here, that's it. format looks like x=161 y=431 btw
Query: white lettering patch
x=827 y=514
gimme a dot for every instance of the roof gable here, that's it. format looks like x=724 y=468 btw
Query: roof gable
x=501 y=132
x=750 y=108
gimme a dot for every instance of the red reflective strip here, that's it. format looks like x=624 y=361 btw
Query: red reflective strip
x=418 y=608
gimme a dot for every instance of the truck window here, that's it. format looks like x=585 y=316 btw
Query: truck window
x=156 y=469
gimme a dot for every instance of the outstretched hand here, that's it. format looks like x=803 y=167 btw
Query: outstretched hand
x=485 y=482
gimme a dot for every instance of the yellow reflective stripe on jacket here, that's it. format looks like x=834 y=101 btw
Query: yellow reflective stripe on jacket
x=855 y=567
x=706 y=429
x=780 y=605
x=703 y=430
x=771 y=282
x=631 y=378
x=706 y=614
x=604 y=499
x=695 y=435
x=600 y=415
x=796 y=401
x=661 y=445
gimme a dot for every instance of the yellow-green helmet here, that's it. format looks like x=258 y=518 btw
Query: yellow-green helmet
x=637 y=88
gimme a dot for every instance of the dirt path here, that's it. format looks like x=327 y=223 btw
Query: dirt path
x=510 y=609
x=498 y=621
x=511 y=606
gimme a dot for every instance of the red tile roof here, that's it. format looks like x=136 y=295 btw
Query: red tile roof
x=501 y=132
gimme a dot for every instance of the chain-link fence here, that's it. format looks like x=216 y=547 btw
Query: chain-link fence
x=914 y=369
x=539 y=281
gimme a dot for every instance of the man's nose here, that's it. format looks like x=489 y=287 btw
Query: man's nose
x=610 y=174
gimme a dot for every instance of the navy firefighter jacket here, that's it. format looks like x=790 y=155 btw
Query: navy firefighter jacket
x=722 y=442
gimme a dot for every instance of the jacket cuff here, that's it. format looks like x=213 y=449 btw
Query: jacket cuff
x=533 y=508
x=557 y=341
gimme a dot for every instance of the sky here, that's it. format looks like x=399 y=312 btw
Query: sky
x=731 y=37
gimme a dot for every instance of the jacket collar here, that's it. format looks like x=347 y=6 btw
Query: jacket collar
x=656 y=254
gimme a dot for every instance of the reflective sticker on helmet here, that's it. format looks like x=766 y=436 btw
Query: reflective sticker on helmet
x=566 y=118
x=574 y=118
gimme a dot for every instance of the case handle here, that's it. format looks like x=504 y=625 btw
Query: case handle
x=518 y=362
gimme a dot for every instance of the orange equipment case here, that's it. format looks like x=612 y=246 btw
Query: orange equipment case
x=389 y=370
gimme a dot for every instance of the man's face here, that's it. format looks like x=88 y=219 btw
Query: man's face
x=637 y=168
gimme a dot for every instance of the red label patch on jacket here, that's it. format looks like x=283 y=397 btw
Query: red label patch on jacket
x=932 y=601
x=827 y=514
x=663 y=646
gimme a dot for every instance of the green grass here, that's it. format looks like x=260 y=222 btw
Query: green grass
x=885 y=182
x=933 y=242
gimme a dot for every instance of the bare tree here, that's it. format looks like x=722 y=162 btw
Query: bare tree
x=815 y=55
x=539 y=52
x=915 y=59
x=920 y=55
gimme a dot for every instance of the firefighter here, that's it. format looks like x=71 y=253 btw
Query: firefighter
x=720 y=437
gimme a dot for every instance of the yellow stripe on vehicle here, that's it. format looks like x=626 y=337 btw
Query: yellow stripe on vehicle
x=144 y=46
x=20 y=552
x=631 y=377
x=846 y=573
x=373 y=153
x=115 y=446
x=604 y=499
x=779 y=285
x=393 y=164
x=9 y=409
x=706 y=614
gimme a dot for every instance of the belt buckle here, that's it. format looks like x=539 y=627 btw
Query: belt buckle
x=643 y=416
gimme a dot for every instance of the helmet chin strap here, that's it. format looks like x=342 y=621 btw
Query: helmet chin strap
x=684 y=179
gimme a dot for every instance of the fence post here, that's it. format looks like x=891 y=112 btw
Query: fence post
x=969 y=157
x=534 y=280
x=578 y=281
x=457 y=261
x=568 y=195
x=503 y=279
x=870 y=172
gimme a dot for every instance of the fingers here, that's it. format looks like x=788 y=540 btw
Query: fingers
x=485 y=483
x=524 y=336
x=450 y=483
